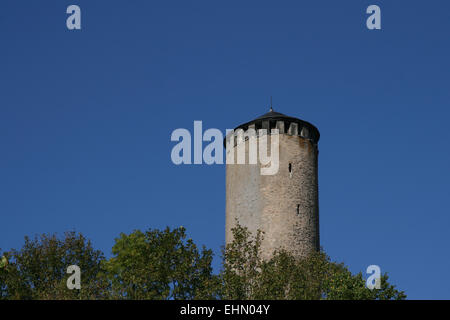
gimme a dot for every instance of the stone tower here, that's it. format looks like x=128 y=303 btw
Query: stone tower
x=285 y=205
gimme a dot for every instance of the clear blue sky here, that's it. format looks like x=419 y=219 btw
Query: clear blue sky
x=86 y=118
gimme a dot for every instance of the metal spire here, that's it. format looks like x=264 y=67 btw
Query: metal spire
x=271 y=109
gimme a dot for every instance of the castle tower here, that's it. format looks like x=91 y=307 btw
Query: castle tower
x=284 y=205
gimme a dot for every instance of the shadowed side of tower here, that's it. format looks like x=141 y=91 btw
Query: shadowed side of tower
x=283 y=205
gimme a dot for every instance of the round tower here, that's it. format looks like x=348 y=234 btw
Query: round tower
x=285 y=204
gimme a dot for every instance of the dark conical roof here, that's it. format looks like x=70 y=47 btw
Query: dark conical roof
x=271 y=114
x=272 y=117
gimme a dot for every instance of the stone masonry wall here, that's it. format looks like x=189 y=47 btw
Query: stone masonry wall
x=284 y=205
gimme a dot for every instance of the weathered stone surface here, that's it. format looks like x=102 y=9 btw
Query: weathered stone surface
x=284 y=205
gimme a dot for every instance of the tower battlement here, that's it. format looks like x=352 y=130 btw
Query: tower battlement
x=274 y=120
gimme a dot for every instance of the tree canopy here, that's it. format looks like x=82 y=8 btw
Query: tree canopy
x=166 y=264
x=246 y=275
x=160 y=265
x=39 y=269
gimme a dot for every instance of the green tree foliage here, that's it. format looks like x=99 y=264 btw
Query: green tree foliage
x=160 y=265
x=3 y=265
x=38 y=270
x=165 y=264
x=241 y=265
x=246 y=276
